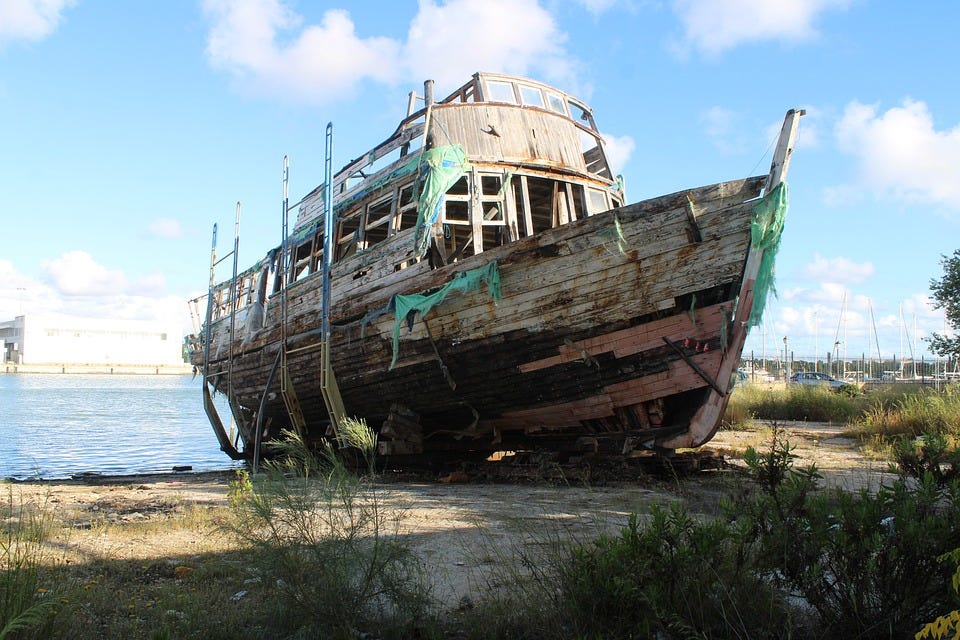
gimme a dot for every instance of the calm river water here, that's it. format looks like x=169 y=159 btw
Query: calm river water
x=55 y=426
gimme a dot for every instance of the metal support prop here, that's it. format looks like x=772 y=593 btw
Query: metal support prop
x=287 y=392
x=233 y=302
x=209 y=408
x=328 y=383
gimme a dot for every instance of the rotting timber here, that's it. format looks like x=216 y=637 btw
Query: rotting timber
x=490 y=290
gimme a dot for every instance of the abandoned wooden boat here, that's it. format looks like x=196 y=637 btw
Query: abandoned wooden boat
x=488 y=288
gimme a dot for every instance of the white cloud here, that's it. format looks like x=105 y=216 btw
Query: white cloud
x=838 y=270
x=815 y=318
x=618 y=150
x=30 y=19
x=720 y=125
x=152 y=284
x=76 y=285
x=317 y=64
x=713 y=26
x=320 y=63
x=77 y=273
x=450 y=41
x=901 y=153
x=596 y=7
x=166 y=228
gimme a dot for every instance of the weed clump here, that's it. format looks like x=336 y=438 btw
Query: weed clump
x=24 y=604
x=327 y=547
x=865 y=563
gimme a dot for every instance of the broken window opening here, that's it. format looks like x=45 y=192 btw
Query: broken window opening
x=348 y=235
x=457 y=241
x=378 y=219
x=406 y=216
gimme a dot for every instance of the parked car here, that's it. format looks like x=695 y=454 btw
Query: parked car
x=817 y=379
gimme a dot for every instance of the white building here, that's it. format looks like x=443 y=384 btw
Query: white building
x=54 y=339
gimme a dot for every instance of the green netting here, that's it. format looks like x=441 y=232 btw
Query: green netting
x=407 y=307
x=440 y=168
x=766 y=227
x=614 y=242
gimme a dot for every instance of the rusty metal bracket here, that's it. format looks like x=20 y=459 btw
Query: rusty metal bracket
x=693 y=365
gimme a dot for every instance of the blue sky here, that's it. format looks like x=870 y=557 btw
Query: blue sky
x=128 y=128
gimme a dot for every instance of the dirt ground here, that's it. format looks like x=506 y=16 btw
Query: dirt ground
x=462 y=530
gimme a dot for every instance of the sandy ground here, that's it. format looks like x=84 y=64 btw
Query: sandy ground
x=464 y=531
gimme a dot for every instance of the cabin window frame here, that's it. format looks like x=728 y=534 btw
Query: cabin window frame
x=383 y=219
x=495 y=91
x=403 y=209
x=348 y=244
x=524 y=88
x=592 y=202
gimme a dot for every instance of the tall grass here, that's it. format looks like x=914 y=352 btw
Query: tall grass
x=796 y=402
x=914 y=415
x=327 y=546
x=24 y=604
x=881 y=413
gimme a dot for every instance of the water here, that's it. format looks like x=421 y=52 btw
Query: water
x=56 y=426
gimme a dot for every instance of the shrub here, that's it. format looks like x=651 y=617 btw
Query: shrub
x=239 y=488
x=675 y=575
x=324 y=544
x=933 y=455
x=865 y=563
x=24 y=605
x=946 y=626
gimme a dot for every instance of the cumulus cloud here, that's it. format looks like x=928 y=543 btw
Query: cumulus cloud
x=76 y=285
x=720 y=125
x=830 y=316
x=30 y=19
x=452 y=40
x=263 y=44
x=77 y=273
x=266 y=47
x=837 y=270
x=166 y=228
x=714 y=26
x=596 y=7
x=618 y=150
x=901 y=153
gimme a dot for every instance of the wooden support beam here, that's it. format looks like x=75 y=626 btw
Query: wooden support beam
x=693 y=365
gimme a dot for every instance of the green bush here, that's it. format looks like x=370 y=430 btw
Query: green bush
x=867 y=564
x=674 y=575
x=24 y=604
x=328 y=549
x=933 y=455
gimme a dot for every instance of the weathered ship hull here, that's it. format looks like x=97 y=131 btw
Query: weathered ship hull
x=576 y=353
x=490 y=292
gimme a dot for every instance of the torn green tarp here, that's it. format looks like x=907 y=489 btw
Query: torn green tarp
x=766 y=227
x=407 y=307
x=440 y=168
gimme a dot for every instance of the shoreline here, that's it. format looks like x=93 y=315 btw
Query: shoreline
x=100 y=369
x=98 y=480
